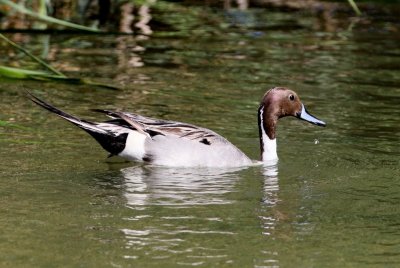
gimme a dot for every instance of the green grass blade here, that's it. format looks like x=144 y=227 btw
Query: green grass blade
x=46 y=18
x=42 y=8
x=355 y=7
x=41 y=62
x=19 y=73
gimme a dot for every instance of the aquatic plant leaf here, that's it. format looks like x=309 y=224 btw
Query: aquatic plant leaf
x=18 y=73
x=26 y=52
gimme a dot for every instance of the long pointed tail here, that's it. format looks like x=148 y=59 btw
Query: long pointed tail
x=111 y=142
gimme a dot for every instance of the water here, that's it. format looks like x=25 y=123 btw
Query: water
x=332 y=201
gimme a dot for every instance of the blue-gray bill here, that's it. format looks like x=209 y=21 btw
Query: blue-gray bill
x=306 y=116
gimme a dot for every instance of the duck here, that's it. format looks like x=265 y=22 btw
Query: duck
x=170 y=143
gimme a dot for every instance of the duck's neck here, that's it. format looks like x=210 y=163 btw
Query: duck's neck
x=266 y=128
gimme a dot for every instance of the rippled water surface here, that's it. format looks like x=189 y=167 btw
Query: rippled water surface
x=332 y=201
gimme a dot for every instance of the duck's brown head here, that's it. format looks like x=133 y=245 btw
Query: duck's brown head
x=279 y=102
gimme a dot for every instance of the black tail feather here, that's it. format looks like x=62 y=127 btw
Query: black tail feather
x=110 y=141
x=51 y=108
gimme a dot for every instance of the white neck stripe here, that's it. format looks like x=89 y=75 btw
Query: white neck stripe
x=268 y=146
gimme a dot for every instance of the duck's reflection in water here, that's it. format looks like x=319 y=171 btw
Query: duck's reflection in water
x=269 y=214
x=153 y=185
x=196 y=214
x=271 y=186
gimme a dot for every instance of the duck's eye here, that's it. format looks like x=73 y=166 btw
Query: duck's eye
x=291 y=97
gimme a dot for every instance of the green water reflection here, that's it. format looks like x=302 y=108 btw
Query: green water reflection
x=332 y=201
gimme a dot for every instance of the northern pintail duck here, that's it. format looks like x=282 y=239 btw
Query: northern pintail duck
x=169 y=143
